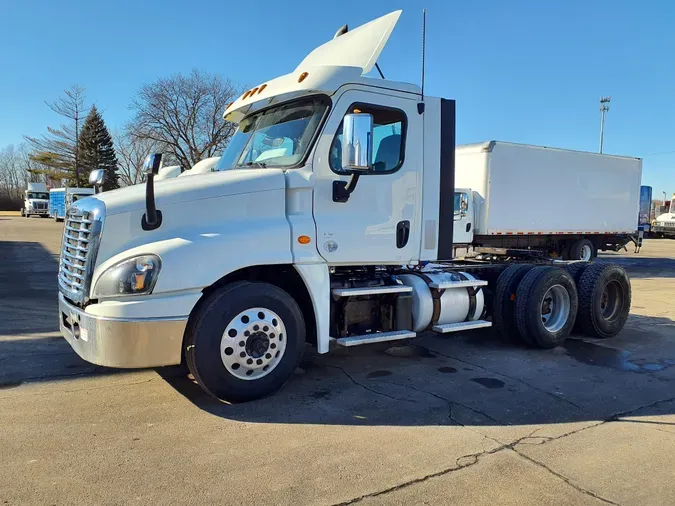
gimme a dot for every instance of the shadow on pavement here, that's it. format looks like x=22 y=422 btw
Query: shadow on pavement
x=28 y=288
x=472 y=379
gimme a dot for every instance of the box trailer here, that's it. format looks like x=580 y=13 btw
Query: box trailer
x=60 y=199
x=566 y=203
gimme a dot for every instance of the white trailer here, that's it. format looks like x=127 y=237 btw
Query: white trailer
x=570 y=204
x=35 y=201
x=329 y=220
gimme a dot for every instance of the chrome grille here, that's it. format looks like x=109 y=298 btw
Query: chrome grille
x=81 y=233
x=40 y=206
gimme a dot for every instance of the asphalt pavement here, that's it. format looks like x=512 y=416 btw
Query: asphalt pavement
x=458 y=419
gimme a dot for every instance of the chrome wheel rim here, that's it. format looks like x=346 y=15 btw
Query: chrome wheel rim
x=253 y=343
x=555 y=308
x=586 y=252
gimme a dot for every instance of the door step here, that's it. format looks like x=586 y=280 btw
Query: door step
x=444 y=285
x=376 y=337
x=371 y=290
x=456 y=327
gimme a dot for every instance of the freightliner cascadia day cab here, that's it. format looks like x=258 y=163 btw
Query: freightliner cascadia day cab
x=35 y=201
x=568 y=204
x=60 y=200
x=328 y=221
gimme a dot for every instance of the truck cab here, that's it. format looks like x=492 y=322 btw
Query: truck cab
x=35 y=201
x=664 y=224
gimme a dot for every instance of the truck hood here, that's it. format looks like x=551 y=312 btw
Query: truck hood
x=190 y=189
x=665 y=217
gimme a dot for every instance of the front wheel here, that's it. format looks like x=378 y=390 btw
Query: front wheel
x=245 y=341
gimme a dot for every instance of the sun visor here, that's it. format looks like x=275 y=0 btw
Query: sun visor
x=360 y=47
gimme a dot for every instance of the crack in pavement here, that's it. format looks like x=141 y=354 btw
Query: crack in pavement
x=51 y=392
x=564 y=478
x=358 y=383
x=450 y=403
x=473 y=458
x=518 y=380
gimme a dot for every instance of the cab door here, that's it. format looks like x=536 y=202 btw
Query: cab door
x=379 y=223
x=462 y=230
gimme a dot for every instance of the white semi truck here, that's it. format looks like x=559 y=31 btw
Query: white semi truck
x=329 y=221
x=568 y=204
x=35 y=201
x=664 y=224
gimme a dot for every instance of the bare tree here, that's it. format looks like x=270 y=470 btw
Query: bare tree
x=58 y=151
x=183 y=114
x=131 y=153
x=14 y=175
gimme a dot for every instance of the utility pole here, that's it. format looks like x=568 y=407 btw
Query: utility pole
x=604 y=107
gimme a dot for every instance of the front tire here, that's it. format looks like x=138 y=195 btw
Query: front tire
x=245 y=341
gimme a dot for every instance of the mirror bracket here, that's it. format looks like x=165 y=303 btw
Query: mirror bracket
x=145 y=225
x=343 y=189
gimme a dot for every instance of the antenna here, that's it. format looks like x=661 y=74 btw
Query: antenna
x=424 y=43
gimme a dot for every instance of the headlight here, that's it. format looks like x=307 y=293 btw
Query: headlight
x=133 y=276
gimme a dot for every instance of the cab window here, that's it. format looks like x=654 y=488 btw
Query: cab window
x=389 y=129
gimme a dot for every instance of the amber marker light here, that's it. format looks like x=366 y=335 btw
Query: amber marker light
x=304 y=239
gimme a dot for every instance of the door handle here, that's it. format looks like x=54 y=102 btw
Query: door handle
x=402 y=233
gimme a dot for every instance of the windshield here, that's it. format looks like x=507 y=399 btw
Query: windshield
x=38 y=195
x=276 y=137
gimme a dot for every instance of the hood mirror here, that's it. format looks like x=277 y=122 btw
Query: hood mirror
x=152 y=163
x=96 y=179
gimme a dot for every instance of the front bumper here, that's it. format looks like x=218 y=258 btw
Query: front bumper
x=664 y=230
x=122 y=342
x=38 y=211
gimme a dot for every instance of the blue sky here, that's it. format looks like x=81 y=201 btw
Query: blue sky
x=528 y=71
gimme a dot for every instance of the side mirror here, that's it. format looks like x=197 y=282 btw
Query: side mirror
x=357 y=142
x=152 y=163
x=96 y=177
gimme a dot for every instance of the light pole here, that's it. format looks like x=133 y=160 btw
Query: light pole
x=604 y=107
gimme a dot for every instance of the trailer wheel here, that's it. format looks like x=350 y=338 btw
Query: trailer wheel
x=604 y=300
x=244 y=341
x=503 y=307
x=582 y=249
x=546 y=306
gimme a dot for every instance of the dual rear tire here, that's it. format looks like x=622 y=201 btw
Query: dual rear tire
x=540 y=306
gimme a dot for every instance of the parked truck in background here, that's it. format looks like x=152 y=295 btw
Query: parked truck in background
x=35 y=201
x=569 y=204
x=329 y=220
x=664 y=224
x=60 y=200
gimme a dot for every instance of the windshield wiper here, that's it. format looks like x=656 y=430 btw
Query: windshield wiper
x=261 y=165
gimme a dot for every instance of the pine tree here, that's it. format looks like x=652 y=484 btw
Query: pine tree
x=97 y=150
